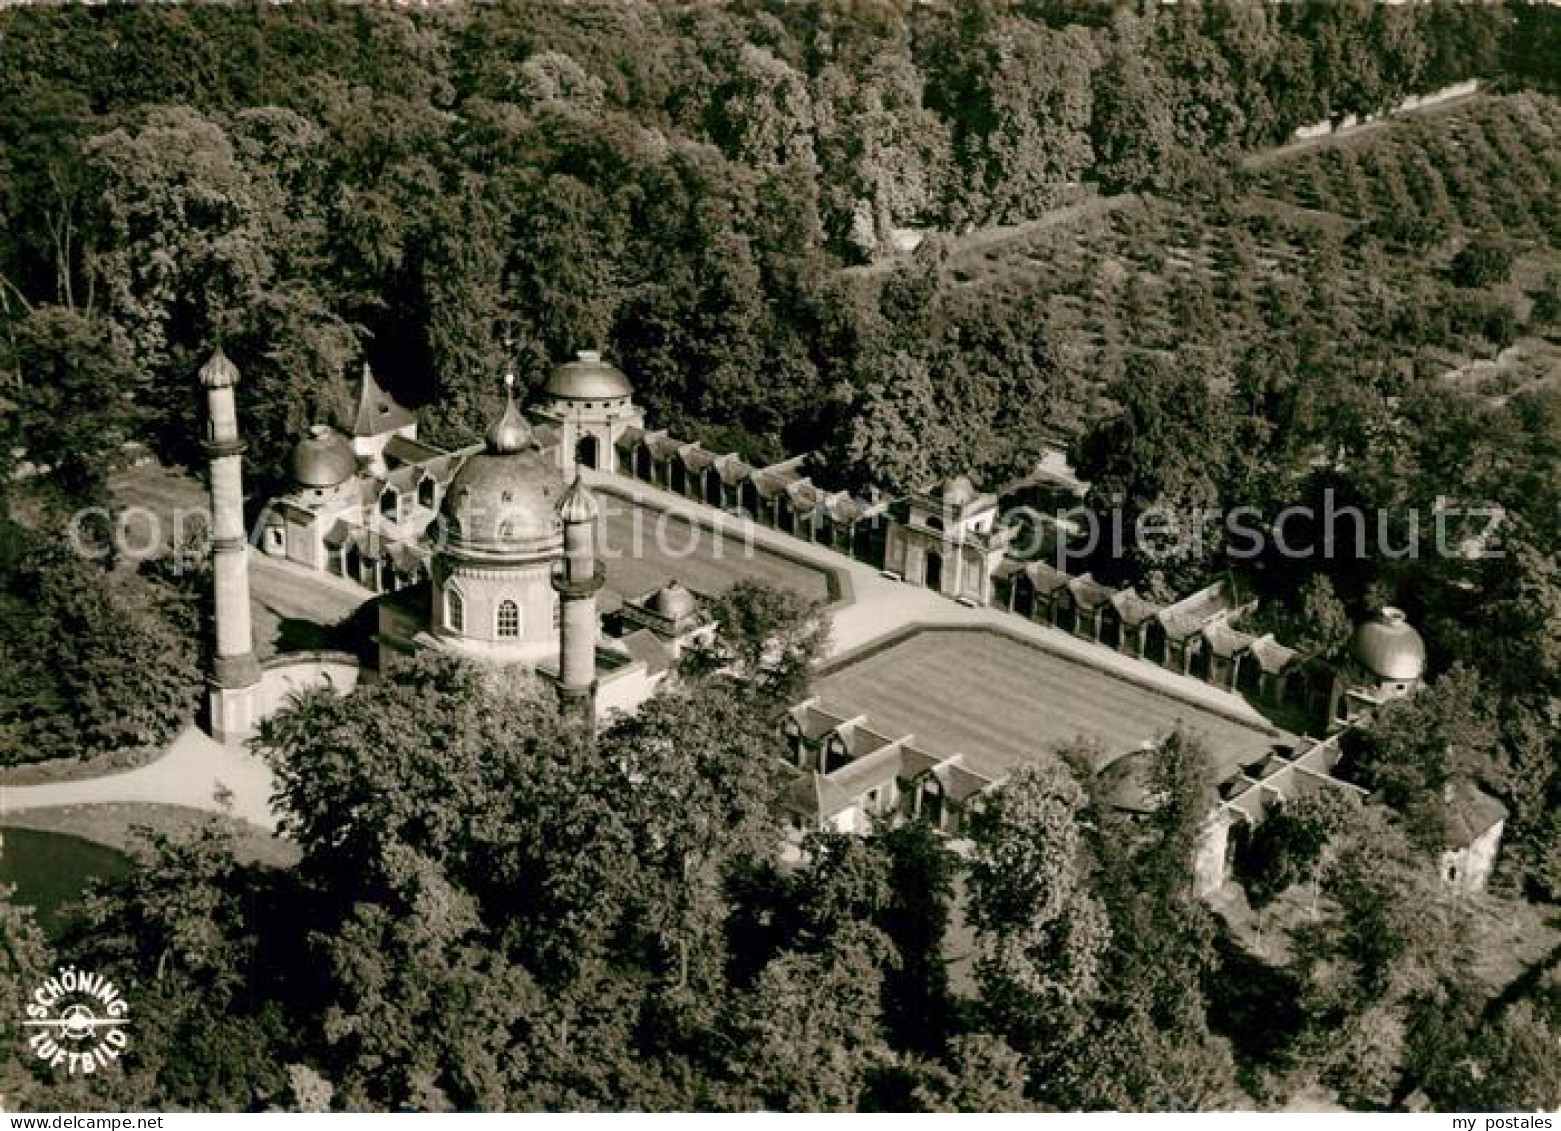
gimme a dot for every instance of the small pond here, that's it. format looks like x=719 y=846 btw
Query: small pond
x=50 y=870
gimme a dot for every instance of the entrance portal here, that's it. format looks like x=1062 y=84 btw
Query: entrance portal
x=932 y=571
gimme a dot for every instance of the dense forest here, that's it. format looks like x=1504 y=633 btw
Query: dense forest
x=678 y=184
x=1111 y=254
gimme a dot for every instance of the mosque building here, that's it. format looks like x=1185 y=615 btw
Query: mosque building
x=513 y=572
x=488 y=551
x=492 y=552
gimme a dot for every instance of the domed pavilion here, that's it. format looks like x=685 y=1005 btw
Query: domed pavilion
x=496 y=546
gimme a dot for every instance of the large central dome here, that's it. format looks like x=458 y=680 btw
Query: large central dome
x=504 y=500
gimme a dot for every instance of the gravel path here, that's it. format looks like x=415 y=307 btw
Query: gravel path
x=193 y=772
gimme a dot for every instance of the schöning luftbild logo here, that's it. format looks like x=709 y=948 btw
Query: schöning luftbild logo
x=77 y=1021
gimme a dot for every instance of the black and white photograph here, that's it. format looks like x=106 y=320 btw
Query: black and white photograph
x=780 y=556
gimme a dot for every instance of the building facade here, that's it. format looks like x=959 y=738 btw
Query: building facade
x=591 y=404
x=360 y=504
x=949 y=540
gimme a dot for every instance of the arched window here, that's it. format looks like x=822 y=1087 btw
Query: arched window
x=508 y=619
x=425 y=492
x=454 y=610
x=390 y=503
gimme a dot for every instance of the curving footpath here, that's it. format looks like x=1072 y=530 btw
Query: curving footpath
x=194 y=772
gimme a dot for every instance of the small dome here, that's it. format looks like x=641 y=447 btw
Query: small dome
x=1125 y=783
x=588 y=378
x=674 y=602
x=1389 y=647
x=959 y=491
x=323 y=458
x=219 y=372
x=579 y=505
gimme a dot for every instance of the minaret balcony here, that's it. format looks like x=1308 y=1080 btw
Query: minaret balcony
x=568 y=587
x=216 y=449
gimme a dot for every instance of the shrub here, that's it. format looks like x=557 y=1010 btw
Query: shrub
x=1287 y=847
x=1416 y=233
x=1482 y=263
x=97 y=660
x=1547 y=302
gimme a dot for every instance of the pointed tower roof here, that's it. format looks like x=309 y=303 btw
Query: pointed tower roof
x=377 y=412
x=219 y=372
x=578 y=504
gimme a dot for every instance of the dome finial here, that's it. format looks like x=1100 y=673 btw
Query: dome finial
x=510 y=433
x=509 y=361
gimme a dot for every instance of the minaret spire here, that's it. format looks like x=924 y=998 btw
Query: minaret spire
x=577 y=582
x=235 y=676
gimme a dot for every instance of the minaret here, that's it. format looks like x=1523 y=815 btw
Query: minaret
x=235 y=676
x=577 y=581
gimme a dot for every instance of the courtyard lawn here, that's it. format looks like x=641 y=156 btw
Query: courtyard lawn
x=644 y=548
x=1003 y=701
x=290 y=611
